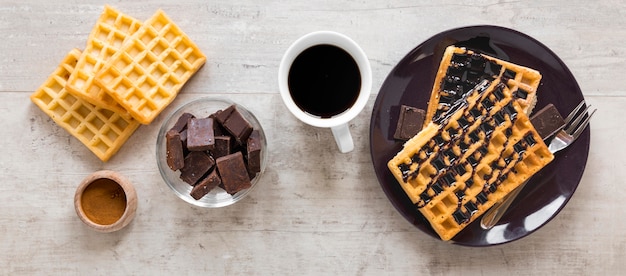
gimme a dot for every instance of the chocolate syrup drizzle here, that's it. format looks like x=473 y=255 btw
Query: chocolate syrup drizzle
x=442 y=150
x=466 y=71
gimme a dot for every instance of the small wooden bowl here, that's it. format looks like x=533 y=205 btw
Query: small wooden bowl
x=105 y=201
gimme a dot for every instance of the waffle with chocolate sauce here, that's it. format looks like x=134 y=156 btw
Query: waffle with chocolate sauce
x=151 y=67
x=462 y=69
x=103 y=131
x=469 y=157
x=111 y=30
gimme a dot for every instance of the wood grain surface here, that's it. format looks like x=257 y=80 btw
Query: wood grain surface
x=315 y=211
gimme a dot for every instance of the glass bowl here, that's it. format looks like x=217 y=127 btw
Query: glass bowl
x=201 y=108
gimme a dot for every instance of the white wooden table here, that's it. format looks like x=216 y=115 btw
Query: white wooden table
x=310 y=214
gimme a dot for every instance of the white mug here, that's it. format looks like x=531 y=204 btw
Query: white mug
x=338 y=123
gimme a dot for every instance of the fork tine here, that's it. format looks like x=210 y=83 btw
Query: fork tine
x=571 y=115
x=583 y=125
x=580 y=116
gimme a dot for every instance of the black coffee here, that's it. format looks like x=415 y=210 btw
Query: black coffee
x=324 y=80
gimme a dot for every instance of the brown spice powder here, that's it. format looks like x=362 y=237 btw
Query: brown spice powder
x=104 y=201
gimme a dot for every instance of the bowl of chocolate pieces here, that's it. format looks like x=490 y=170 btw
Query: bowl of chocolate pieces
x=211 y=152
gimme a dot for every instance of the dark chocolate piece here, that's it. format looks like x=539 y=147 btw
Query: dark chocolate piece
x=200 y=134
x=218 y=129
x=254 y=152
x=233 y=171
x=206 y=185
x=223 y=146
x=197 y=163
x=410 y=122
x=547 y=121
x=174 y=150
x=238 y=126
x=222 y=115
x=181 y=123
x=183 y=138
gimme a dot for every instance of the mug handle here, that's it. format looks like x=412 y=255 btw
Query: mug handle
x=343 y=138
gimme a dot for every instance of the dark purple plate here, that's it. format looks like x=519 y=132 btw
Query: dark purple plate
x=410 y=83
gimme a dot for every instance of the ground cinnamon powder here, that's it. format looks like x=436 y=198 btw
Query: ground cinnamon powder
x=104 y=201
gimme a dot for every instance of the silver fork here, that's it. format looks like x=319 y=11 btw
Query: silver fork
x=575 y=123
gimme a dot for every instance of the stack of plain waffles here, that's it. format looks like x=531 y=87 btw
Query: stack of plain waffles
x=127 y=74
x=477 y=144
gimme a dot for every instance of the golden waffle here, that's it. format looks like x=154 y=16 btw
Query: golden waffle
x=461 y=69
x=152 y=66
x=105 y=39
x=101 y=130
x=469 y=158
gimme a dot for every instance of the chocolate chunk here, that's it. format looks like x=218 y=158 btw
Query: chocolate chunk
x=181 y=123
x=174 y=150
x=222 y=147
x=238 y=126
x=218 y=129
x=254 y=152
x=206 y=185
x=547 y=121
x=197 y=163
x=233 y=171
x=183 y=138
x=200 y=134
x=222 y=115
x=234 y=123
x=410 y=122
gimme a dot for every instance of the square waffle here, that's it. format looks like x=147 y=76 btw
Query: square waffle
x=462 y=69
x=103 y=131
x=106 y=38
x=151 y=68
x=469 y=158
